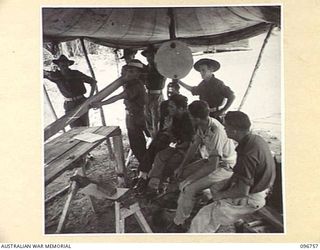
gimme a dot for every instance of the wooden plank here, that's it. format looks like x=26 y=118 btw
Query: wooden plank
x=60 y=145
x=64 y=162
x=142 y=222
x=60 y=192
x=271 y=216
x=125 y=212
x=119 y=155
x=65 y=120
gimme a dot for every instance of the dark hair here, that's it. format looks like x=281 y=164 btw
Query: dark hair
x=199 y=109
x=238 y=120
x=179 y=100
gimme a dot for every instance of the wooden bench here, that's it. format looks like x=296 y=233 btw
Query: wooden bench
x=61 y=153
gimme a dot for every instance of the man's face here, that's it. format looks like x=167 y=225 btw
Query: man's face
x=129 y=57
x=63 y=65
x=150 y=58
x=205 y=72
x=172 y=108
x=195 y=121
x=131 y=73
x=230 y=131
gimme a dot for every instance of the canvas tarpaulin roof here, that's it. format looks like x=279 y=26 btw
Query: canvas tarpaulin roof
x=139 y=27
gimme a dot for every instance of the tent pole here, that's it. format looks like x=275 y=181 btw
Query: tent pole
x=103 y=120
x=172 y=25
x=256 y=66
x=50 y=105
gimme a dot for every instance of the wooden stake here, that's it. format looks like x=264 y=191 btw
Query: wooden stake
x=103 y=120
x=256 y=67
x=50 y=105
x=142 y=222
x=62 y=191
x=65 y=211
x=119 y=154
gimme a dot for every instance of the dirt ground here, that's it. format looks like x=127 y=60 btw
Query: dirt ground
x=82 y=219
x=264 y=100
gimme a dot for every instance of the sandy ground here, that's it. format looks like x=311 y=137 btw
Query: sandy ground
x=263 y=106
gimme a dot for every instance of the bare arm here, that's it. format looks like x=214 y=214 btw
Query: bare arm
x=93 y=88
x=186 y=86
x=230 y=100
x=113 y=99
x=237 y=190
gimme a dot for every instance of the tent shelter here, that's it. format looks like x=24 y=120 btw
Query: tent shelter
x=140 y=27
x=201 y=28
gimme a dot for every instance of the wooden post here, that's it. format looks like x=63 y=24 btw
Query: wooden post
x=119 y=154
x=50 y=105
x=256 y=67
x=103 y=120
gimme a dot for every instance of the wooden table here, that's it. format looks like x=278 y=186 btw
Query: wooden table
x=61 y=152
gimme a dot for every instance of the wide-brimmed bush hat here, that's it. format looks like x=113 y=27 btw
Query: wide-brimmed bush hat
x=213 y=64
x=63 y=58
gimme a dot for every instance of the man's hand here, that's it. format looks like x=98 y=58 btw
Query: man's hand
x=178 y=172
x=183 y=185
x=219 y=113
x=95 y=105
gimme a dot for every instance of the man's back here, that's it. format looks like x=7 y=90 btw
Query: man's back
x=255 y=163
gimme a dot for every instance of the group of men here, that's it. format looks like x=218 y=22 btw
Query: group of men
x=193 y=144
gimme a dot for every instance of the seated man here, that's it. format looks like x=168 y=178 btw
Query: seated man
x=177 y=107
x=253 y=175
x=218 y=157
x=161 y=140
x=165 y=119
x=167 y=160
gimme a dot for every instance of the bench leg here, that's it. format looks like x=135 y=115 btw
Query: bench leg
x=119 y=220
x=119 y=155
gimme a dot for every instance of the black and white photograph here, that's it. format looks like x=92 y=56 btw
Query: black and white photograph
x=163 y=120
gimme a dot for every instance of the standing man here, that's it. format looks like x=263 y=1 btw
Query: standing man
x=71 y=85
x=154 y=83
x=211 y=89
x=134 y=101
x=218 y=157
x=246 y=190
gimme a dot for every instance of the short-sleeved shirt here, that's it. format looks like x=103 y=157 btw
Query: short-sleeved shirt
x=217 y=143
x=135 y=97
x=213 y=92
x=255 y=165
x=71 y=85
x=154 y=80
